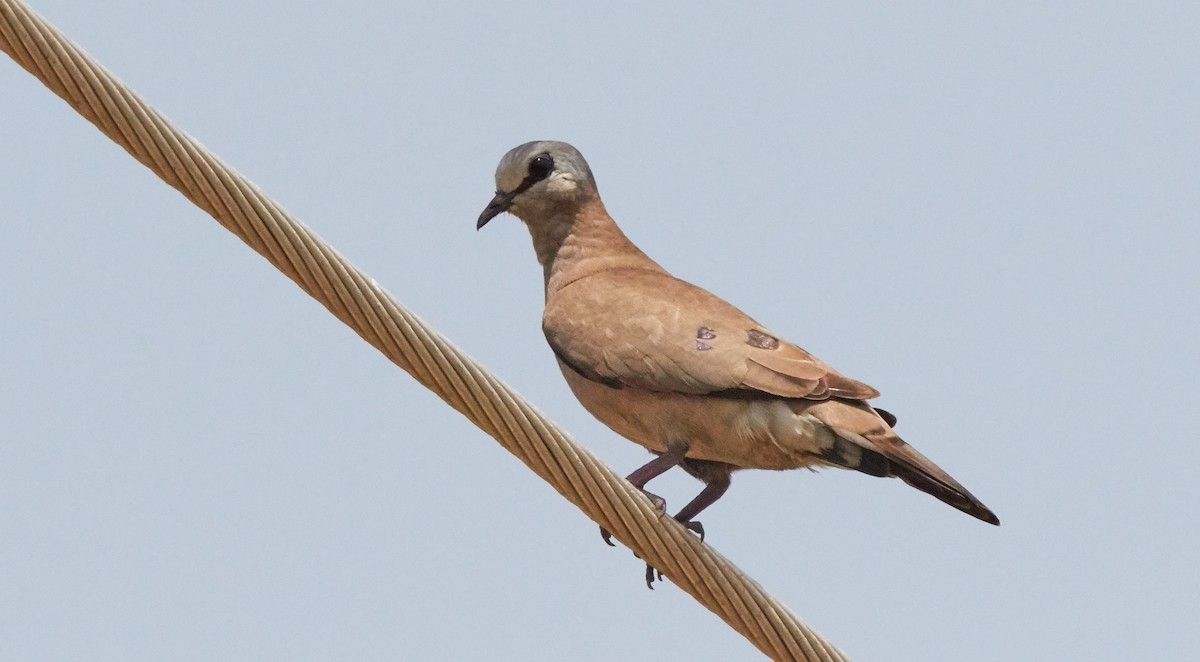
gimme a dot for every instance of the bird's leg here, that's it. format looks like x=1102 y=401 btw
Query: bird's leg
x=716 y=482
x=712 y=491
x=649 y=471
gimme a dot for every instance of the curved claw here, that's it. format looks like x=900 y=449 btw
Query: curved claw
x=695 y=527
x=659 y=503
x=650 y=572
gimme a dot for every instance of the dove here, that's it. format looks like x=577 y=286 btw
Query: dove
x=678 y=370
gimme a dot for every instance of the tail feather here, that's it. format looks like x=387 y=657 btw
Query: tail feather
x=907 y=464
x=864 y=441
x=948 y=492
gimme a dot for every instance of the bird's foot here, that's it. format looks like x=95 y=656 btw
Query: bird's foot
x=695 y=527
x=650 y=573
x=659 y=503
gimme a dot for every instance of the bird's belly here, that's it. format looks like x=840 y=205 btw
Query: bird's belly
x=751 y=433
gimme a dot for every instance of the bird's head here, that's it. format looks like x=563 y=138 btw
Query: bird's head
x=539 y=180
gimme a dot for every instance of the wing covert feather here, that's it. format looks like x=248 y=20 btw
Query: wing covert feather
x=648 y=330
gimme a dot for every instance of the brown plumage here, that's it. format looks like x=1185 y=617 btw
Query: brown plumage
x=680 y=371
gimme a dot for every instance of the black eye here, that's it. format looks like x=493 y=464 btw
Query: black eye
x=540 y=167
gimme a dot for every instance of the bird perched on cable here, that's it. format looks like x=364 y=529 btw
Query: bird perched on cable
x=678 y=370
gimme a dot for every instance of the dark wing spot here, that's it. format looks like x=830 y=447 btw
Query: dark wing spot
x=761 y=340
x=702 y=346
x=705 y=333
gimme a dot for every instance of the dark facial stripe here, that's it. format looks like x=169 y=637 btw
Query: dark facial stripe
x=503 y=201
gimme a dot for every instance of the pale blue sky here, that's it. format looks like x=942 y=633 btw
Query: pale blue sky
x=990 y=213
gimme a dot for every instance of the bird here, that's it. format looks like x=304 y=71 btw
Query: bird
x=678 y=370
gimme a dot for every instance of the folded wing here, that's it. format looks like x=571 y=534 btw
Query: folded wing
x=648 y=330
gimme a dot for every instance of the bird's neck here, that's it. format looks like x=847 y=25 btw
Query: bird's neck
x=582 y=242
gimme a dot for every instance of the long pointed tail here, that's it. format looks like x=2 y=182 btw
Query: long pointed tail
x=891 y=456
x=864 y=441
x=947 y=491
